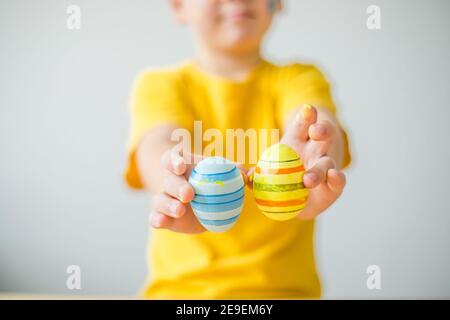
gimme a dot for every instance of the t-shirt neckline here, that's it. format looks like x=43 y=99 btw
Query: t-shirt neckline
x=226 y=81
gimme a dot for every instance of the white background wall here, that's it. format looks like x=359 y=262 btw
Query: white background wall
x=64 y=122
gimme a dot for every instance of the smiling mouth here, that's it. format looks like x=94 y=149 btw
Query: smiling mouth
x=239 y=15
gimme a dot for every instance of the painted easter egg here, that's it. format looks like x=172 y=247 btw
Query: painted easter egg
x=219 y=193
x=278 y=183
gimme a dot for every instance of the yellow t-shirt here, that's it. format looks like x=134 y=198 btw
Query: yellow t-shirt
x=257 y=257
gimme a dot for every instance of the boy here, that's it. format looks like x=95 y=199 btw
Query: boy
x=229 y=85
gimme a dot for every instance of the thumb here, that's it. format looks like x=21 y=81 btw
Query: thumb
x=298 y=129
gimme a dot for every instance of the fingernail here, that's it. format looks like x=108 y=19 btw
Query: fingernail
x=321 y=129
x=173 y=210
x=178 y=164
x=183 y=193
x=156 y=223
x=306 y=111
x=312 y=176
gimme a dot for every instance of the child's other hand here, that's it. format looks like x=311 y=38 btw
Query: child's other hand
x=319 y=143
x=171 y=208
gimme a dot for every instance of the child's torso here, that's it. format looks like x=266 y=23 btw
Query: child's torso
x=258 y=257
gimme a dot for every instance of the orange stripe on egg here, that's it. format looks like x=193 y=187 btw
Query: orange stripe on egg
x=279 y=170
x=285 y=203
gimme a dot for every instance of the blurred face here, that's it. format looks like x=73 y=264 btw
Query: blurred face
x=231 y=25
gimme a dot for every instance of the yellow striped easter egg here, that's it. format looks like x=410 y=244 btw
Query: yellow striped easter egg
x=278 y=183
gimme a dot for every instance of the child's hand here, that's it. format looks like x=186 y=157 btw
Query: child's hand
x=313 y=140
x=171 y=208
x=319 y=143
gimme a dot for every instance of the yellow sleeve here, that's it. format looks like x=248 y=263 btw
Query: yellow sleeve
x=155 y=100
x=306 y=84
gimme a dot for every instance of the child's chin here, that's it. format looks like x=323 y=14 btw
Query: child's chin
x=240 y=40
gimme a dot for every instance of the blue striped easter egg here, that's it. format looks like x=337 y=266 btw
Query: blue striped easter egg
x=219 y=193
